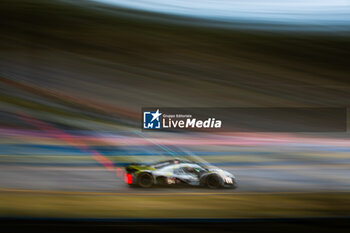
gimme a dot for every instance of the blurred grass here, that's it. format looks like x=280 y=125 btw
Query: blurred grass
x=175 y=206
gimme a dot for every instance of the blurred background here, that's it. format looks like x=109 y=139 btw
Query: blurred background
x=74 y=76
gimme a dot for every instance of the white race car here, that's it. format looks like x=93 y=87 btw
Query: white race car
x=178 y=172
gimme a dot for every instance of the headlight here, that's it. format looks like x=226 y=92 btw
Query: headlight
x=228 y=180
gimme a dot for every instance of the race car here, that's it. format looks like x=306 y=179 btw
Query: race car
x=177 y=172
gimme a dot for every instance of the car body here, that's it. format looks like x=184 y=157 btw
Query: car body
x=178 y=172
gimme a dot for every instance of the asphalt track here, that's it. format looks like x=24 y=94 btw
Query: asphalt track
x=101 y=180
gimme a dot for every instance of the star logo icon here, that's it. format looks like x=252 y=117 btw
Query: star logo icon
x=156 y=115
x=151 y=119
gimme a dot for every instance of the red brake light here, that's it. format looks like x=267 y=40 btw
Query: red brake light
x=128 y=178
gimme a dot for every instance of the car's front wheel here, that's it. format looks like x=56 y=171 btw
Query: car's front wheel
x=162 y=181
x=213 y=181
x=145 y=180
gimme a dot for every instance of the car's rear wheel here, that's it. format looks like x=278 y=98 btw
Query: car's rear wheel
x=145 y=180
x=214 y=181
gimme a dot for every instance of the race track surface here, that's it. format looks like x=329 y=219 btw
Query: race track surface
x=250 y=179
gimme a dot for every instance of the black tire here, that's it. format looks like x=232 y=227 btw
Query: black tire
x=145 y=180
x=161 y=181
x=213 y=181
